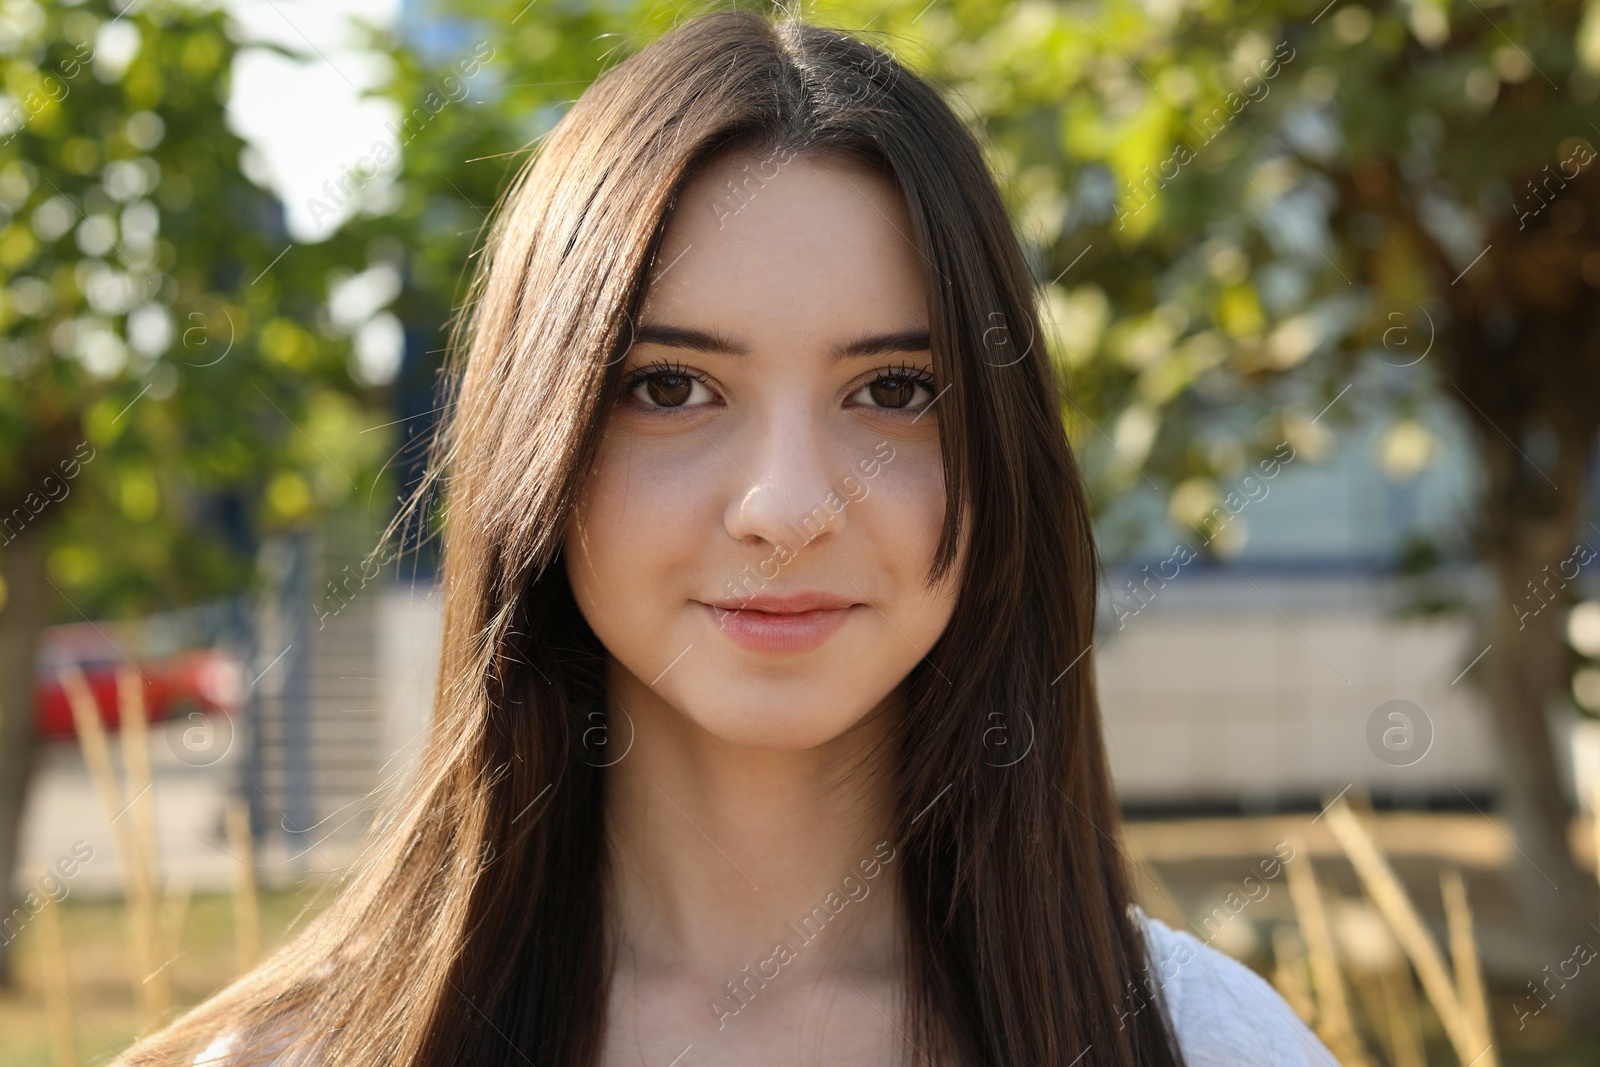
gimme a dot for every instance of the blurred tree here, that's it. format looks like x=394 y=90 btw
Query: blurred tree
x=171 y=387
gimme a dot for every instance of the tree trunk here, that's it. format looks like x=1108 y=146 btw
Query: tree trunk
x=1534 y=553
x=22 y=617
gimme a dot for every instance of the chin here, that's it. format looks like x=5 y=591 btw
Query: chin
x=795 y=719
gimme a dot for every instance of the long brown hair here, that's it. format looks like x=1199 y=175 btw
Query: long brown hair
x=473 y=929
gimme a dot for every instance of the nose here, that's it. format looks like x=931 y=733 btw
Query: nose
x=788 y=498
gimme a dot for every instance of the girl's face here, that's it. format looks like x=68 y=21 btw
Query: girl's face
x=753 y=542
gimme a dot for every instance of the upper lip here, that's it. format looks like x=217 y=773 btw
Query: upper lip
x=785 y=603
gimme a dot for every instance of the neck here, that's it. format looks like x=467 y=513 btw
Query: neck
x=721 y=853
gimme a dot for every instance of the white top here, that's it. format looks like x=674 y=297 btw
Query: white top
x=1223 y=1013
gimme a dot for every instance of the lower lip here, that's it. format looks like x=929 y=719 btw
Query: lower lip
x=763 y=631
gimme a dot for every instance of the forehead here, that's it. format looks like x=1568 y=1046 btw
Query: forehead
x=808 y=248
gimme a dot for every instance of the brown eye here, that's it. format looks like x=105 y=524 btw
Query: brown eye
x=893 y=392
x=669 y=390
x=896 y=389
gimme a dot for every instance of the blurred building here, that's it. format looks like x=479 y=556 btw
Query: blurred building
x=1306 y=659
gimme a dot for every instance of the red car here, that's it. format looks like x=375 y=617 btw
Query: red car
x=209 y=680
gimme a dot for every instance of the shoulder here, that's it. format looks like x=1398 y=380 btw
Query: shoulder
x=1222 y=1013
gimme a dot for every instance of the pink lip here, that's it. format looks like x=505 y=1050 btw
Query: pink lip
x=771 y=623
x=785 y=603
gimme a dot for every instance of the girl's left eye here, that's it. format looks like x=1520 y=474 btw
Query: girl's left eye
x=897 y=390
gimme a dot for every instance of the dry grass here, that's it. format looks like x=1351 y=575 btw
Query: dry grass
x=100 y=987
x=1360 y=988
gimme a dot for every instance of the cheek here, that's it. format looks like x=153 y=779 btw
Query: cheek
x=911 y=492
x=902 y=518
x=633 y=530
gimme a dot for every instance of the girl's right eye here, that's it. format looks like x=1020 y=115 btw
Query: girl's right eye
x=665 y=387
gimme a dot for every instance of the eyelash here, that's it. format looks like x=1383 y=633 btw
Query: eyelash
x=662 y=368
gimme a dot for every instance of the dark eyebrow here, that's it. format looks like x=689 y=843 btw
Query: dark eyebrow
x=884 y=344
x=685 y=337
x=706 y=341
